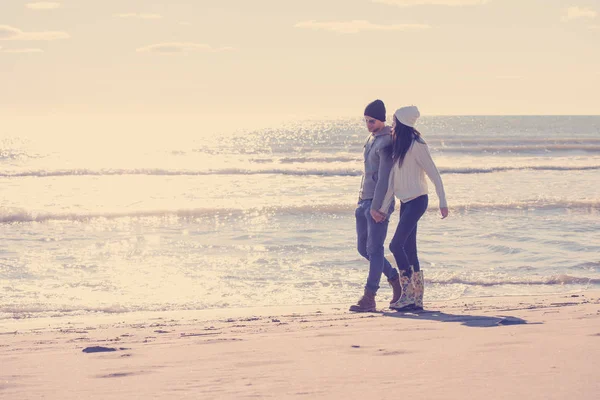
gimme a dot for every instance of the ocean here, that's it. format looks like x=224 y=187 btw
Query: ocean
x=265 y=217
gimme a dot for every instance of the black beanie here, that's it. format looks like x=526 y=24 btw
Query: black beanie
x=376 y=110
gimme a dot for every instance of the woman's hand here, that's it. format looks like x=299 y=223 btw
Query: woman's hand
x=444 y=211
x=378 y=216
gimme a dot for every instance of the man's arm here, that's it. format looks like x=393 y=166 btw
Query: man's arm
x=383 y=177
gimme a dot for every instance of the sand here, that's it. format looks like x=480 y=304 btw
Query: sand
x=537 y=347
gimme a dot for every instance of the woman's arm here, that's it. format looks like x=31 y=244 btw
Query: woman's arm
x=423 y=157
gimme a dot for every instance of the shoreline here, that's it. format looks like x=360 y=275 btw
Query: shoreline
x=26 y=323
x=536 y=347
x=244 y=311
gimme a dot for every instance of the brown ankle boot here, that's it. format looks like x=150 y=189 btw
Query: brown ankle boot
x=397 y=289
x=366 y=303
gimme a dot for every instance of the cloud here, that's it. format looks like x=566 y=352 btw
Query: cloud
x=10 y=33
x=21 y=50
x=409 y=3
x=578 y=12
x=357 y=26
x=138 y=16
x=43 y=5
x=179 y=47
x=509 y=77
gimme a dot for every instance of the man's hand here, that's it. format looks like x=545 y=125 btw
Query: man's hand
x=378 y=216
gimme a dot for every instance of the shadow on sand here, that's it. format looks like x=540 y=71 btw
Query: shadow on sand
x=475 y=321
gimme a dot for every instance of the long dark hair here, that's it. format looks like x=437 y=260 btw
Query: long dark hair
x=402 y=138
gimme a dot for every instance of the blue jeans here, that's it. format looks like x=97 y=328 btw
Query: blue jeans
x=371 y=236
x=404 y=243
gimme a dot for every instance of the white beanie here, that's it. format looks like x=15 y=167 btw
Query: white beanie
x=408 y=115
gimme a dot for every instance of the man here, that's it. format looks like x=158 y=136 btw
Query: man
x=371 y=234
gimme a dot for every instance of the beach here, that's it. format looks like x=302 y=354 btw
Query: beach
x=223 y=266
x=534 y=347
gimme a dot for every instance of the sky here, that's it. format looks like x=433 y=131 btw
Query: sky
x=228 y=59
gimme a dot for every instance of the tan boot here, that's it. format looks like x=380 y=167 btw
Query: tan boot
x=407 y=298
x=396 y=288
x=419 y=283
x=366 y=303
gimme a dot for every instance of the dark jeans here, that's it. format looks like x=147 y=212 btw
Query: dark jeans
x=404 y=243
x=371 y=237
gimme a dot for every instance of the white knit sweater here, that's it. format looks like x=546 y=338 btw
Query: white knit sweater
x=408 y=182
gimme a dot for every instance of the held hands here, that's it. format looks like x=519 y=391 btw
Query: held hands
x=378 y=216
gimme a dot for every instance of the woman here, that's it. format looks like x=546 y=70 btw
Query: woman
x=412 y=161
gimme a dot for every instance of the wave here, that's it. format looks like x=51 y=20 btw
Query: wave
x=275 y=171
x=550 y=280
x=317 y=159
x=166 y=172
x=12 y=155
x=16 y=215
x=519 y=148
x=508 y=141
x=19 y=309
x=25 y=216
x=588 y=266
x=529 y=205
x=484 y=170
